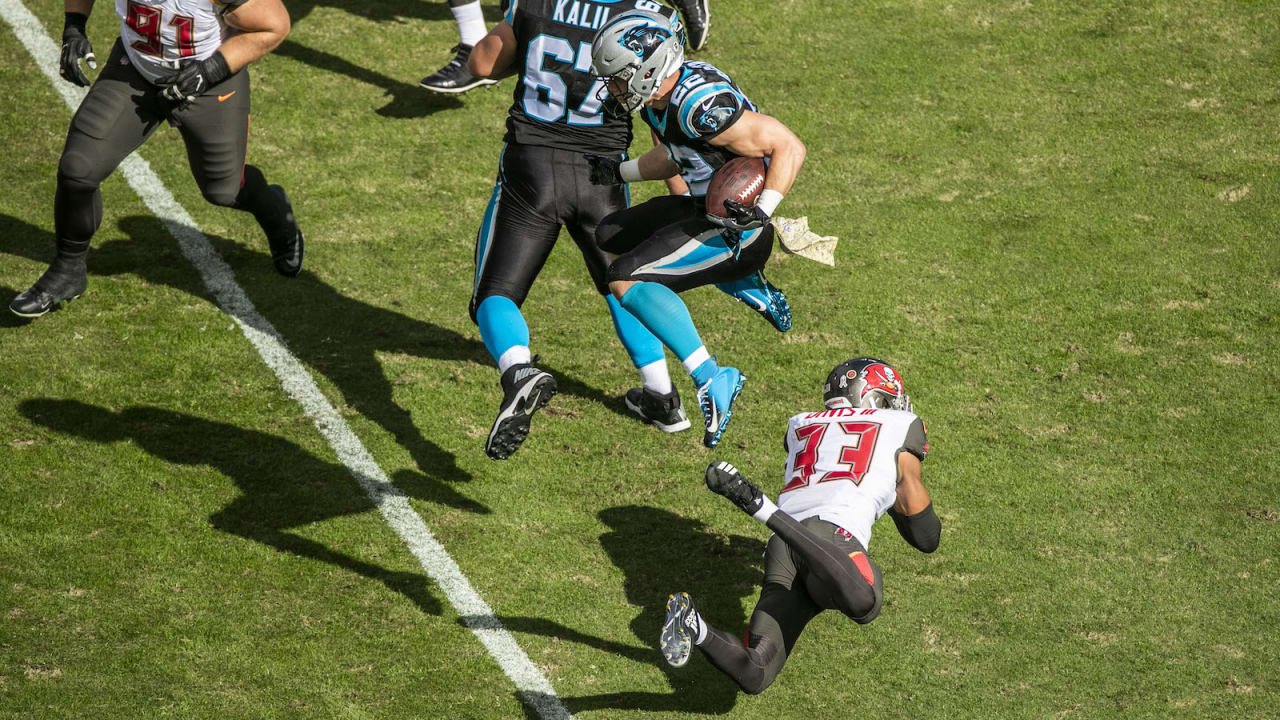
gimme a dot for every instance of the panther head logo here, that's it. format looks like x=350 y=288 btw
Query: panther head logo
x=711 y=118
x=644 y=40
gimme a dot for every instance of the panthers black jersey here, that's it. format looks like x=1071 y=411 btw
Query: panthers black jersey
x=556 y=100
x=704 y=104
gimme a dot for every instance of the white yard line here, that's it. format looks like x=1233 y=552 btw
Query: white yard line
x=534 y=688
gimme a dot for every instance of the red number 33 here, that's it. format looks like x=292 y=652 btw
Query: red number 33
x=859 y=444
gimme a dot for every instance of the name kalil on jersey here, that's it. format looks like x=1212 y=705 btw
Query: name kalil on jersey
x=556 y=101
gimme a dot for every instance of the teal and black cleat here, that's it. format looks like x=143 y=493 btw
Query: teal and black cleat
x=763 y=297
x=716 y=397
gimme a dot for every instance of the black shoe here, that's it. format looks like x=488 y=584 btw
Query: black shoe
x=665 y=411
x=697 y=21
x=57 y=285
x=285 y=239
x=762 y=296
x=525 y=389
x=724 y=479
x=676 y=640
x=453 y=77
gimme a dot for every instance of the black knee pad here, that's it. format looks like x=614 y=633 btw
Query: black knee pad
x=221 y=196
x=75 y=173
x=853 y=596
x=762 y=670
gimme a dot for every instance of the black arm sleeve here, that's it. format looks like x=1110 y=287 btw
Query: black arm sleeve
x=922 y=530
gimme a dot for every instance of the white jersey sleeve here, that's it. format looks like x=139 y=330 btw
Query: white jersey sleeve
x=842 y=465
x=157 y=32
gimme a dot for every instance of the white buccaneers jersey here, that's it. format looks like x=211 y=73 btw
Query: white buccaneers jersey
x=161 y=31
x=842 y=464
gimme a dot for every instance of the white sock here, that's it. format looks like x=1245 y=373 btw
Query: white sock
x=695 y=623
x=655 y=377
x=470 y=23
x=766 y=510
x=695 y=359
x=515 y=355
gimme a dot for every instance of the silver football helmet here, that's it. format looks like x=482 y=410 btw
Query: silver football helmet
x=865 y=382
x=634 y=52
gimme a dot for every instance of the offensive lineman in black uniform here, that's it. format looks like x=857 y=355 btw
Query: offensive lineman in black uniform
x=543 y=183
x=178 y=61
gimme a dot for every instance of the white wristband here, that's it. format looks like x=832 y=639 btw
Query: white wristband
x=630 y=171
x=768 y=200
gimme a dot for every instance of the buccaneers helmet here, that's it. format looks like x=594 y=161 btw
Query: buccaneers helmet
x=865 y=382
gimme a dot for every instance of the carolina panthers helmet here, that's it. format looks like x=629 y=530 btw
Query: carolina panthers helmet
x=865 y=382
x=634 y=52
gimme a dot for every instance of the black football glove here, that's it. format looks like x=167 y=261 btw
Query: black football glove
x=741 y=217
x=191 y=78
x=76 y=47
x=605 y=170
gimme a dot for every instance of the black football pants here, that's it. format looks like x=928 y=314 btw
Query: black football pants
x=809 y=567
x=668 y=240
x=117 y=116
x=539 y=190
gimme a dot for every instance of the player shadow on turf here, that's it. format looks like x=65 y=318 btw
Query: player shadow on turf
x=718 y=570
x=335 y=335
x=282 y=485
x=407 y=101
x=389 y=10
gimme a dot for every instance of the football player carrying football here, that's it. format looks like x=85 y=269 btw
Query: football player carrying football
x=555 y=117
x=846 y=466
x=671 y=244
x=177 y=61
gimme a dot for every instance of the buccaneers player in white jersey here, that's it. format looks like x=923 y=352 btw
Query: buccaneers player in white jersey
x=846 y=466
x=181 y=61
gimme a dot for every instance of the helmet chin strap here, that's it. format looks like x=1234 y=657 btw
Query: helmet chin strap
x=669 y=68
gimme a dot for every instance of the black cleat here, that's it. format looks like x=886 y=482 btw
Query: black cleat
x=56 y=286
x=525 y=389
x=285 y=239
x=762 y=296
x=676 y=640
x=454 y=77
x=724 y=479
x=697 y=21
x=665 y=411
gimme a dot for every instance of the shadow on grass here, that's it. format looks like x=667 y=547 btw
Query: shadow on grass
x=717 y=570
x=282 y=485
x=389 y=10
x=332 y=334
x=407 y=101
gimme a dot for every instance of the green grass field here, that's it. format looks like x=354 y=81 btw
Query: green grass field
x=1056 y=218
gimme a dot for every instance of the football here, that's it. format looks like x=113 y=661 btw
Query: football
x=741 y=180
